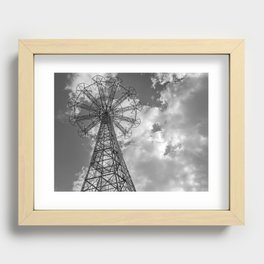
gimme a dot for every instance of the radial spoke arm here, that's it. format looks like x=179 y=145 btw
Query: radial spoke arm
x=126 y=109
x=91 y=97
x=121 y=99
x=120 y=127
x=111 y=95
x=86 y=107
x=102 y=94
x=125 y=118
x=91 y=125
x=79 y=118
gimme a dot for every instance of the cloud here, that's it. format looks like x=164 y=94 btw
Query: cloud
x=156 y=127
x=76 y=78
x=173 y=149
x=62 y=117
x=172 y=156
x=78 y=179
x=163 y=78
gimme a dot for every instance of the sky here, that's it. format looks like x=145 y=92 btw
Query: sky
x=169 y=147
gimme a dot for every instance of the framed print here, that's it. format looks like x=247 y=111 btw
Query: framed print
x=131 y=132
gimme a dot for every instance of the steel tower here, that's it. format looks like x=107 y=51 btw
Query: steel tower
x=107 y=104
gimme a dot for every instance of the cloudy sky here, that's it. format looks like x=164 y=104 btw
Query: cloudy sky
x=169 y=148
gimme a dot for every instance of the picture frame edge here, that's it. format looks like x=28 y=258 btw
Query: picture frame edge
x=28 y=48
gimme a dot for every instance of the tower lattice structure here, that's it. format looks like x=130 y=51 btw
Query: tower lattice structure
x=106 y=103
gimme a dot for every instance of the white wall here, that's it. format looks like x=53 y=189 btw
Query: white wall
x=132 y=19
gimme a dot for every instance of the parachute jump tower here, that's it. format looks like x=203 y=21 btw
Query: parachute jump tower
x=108 y=104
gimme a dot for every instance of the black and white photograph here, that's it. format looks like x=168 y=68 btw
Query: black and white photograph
x=131 y=132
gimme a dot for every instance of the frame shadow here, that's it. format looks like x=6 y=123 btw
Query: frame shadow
x=53 y=231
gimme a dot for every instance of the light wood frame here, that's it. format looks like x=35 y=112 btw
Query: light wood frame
x=28 y=216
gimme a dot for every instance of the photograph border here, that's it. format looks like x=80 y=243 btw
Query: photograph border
x=27 y=215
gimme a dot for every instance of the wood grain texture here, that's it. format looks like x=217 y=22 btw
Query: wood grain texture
x=29 y=216
x=26 y=132
x=132 y=218
x=131 y=46
x=237 y=132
